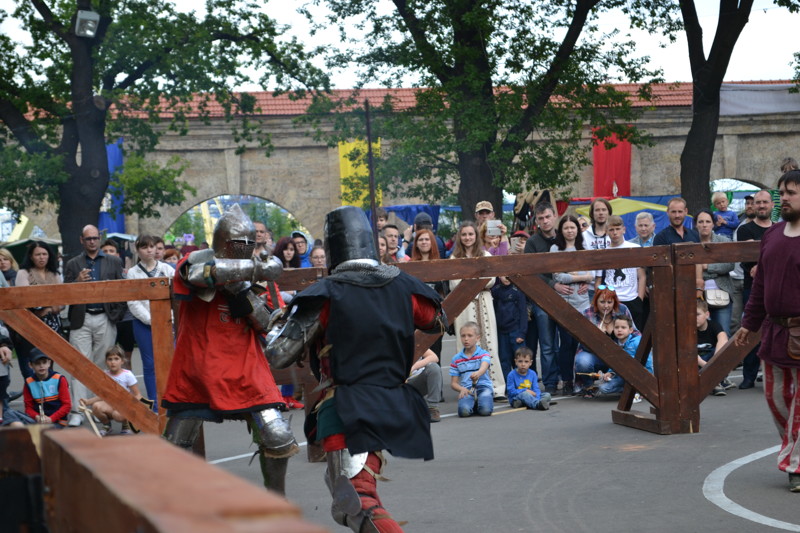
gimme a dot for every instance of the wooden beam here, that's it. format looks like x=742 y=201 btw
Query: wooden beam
x=84 y=293
x=716 y=252
x=156 y=488
x=163 y=350
x=642 y=353
x=662 y=312
x=686 y=345
x=589 y=335
x=640 y=420
x=51 y=343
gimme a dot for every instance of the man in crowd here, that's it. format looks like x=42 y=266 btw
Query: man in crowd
x=749 y=212
x=392 y=234
x=676 y=231
x=300 y=241
x=595 y=237
x=483 y=212
x=540 y=242
x=645 y=230
x=774 y=308
x=263 y=239
x=93 y=327
x=753 y=231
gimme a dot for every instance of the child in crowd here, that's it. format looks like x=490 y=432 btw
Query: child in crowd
x=469 y=374
x=511 y=311
x=710 y=339
x=629 y=340
x=46 y=393
x=102 y=410
x=725 y=221
x=426 y=377
x=522 y=384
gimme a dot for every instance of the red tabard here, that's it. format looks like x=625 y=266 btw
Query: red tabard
x=218 y=362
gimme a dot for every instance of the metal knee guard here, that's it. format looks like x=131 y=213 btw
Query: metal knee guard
x=274 y=434
x=183 y=432
x=346 y=507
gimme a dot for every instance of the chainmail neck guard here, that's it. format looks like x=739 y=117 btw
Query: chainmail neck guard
x=364 y=274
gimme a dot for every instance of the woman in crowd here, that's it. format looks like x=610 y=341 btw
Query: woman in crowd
x=605 y=305
x=8 y=266
x=494 y=244
x=481 y=309
x=285 y=252
x=569 y=239
x=426 y=249
x=146 y=267
x=715 y=275
x=40 y=267
x=317 y=257
x=172 y=256
x=383 y=250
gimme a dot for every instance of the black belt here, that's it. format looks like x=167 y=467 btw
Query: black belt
x=95 y=311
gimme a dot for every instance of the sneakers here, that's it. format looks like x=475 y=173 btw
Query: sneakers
x=718 y=391
x=567 y=389
x=746 y=384
x=12 y=395
x=435 y=415
x=126 y=429
x=794 y=482
x=291 y=403
x=544 y=404
x=75 y=420
x=637 y=398
x=516 y=404
x=105 y=430
x=500 y=399
x=727 y=384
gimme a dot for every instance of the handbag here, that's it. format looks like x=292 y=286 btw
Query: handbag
x=716 y=298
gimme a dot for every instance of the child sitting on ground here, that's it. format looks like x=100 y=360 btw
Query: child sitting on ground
x=46 y=393
x=710 y=339
x=469 y=374
x=629 y=340
x=115 y=358
x=522 y=384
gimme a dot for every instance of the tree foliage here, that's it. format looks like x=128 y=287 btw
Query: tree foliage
x=63 y=97
x=491 y=76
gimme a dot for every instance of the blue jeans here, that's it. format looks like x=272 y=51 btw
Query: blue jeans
x=722 y=316
x=508 y=346
x=482 y=402
x=546 y=327
x=144 y=339
x=587 y=362
x=530 y=401
x=566 y=354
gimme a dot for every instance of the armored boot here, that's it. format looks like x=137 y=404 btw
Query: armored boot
x=351 y=480
x=183 y=432
x=276 y=444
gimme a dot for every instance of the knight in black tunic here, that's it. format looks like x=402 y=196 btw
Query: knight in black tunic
x=363 y=317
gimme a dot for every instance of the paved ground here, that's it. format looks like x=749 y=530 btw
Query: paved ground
x=568 y=469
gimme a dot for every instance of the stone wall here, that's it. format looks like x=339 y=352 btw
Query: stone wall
x=302 y=175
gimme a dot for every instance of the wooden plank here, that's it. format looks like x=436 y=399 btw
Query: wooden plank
x=297 y=279
x=722 y=363
x=71 y=360
x=158 y=488
x=489 y=267
x=640 y=420
x=662 y=312
x=19 y=457
x=84 y=293
x=163 y=349
x=686 y=343
x=589 y=335
x=716 y=252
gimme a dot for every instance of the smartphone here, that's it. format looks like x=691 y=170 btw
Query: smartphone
x=493 y=227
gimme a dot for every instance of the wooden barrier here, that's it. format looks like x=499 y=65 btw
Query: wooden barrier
x=157 y=488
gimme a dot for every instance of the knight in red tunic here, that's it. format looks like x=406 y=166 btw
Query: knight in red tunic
x=219 y=371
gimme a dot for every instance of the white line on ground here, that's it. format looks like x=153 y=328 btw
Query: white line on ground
x=714 y=485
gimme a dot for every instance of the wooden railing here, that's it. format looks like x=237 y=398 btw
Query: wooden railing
x=675 y=390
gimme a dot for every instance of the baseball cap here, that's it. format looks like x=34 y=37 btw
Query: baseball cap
x=423 y=219
x=483 y=205
x=35 y=354
x=520 y=233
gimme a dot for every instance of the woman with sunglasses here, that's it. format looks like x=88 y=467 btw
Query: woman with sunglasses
x=605 y=305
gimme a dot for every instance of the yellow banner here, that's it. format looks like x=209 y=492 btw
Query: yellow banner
x=354 y=173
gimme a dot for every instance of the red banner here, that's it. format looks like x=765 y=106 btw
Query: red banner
x=612 y=169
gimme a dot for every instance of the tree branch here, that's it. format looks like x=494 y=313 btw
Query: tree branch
x=538 y=99
x=694 y=37
x=21 y=128
x=51 y=22
x=430 y=56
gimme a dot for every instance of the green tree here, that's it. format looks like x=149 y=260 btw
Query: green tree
x=63 y=97
x=491 y=76
x=190 y=222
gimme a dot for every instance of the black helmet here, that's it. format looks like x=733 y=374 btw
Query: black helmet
x=348 y=236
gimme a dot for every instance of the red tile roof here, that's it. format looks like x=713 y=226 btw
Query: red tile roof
x=677 y=94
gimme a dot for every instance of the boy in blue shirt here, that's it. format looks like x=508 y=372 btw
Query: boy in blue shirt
x=469 y=374
x=623 y=331
x=522 y=384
